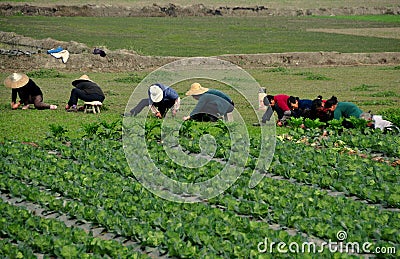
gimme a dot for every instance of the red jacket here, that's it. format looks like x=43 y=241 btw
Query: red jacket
x=281 y=101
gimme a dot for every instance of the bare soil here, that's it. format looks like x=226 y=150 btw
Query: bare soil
x=392 y=33
x=82 y=59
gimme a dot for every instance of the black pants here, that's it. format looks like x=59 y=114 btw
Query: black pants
x=162 y=106
x=37 y=101
x=80 y=94
x=210 y=113
x=204 y=117
x=268 y=114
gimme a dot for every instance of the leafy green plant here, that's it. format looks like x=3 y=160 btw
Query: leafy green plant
x=110 y=130
x=52 y=237
x=393 y=115
x=357 y=123
x=90 y=129
x=313 y=124
x=307 y=123
x=10 y=250
x=153 y=128
x=99 y=183
x=57 y=131
x=295 y=122
x=103 y=130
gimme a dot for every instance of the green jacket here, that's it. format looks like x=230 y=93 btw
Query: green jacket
x=213 y=102
x=346 y=109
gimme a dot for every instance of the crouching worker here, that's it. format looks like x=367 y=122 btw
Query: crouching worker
x=86 y=90
x=299 y=107
x=28 y=92
x=278 y=103
x=348 y=109
x=161 y=99
x=212 y=104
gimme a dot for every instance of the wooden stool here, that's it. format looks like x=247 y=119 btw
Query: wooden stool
x=92 y=106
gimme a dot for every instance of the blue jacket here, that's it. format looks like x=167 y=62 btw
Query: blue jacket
x=305 y=104
x=169 y=94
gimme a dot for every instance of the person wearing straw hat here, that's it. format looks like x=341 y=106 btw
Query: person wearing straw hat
x=211 y=105
x=86 y=90
x=161 y=99
x=28 y=92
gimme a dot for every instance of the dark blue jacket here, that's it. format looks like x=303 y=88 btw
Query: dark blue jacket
x=169 y=94
x=304 y=105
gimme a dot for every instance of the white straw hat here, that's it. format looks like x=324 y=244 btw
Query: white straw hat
x=16 y=80
x=156 y=93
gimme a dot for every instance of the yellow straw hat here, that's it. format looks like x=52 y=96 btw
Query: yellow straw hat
x=82 y=78
x=196 y=89
x=16 y=80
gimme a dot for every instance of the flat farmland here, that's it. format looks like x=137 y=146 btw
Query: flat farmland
x=73 y=185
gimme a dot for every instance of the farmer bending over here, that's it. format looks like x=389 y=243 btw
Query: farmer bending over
x=211 y=105
x=161 y=99
x=28 y=92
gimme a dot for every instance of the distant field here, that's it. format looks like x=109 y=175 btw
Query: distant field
x=270 y=4
x=209 y=36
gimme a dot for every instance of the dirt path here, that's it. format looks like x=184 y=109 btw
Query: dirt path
x=391 y=33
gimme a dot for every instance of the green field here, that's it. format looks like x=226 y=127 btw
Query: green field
x=193 y=36
x=72 y=187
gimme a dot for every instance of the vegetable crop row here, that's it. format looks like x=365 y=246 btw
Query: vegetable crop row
x=54 y=238
x=350 y=174
x=184 y=230
x=284 y=205
x=367 y=140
